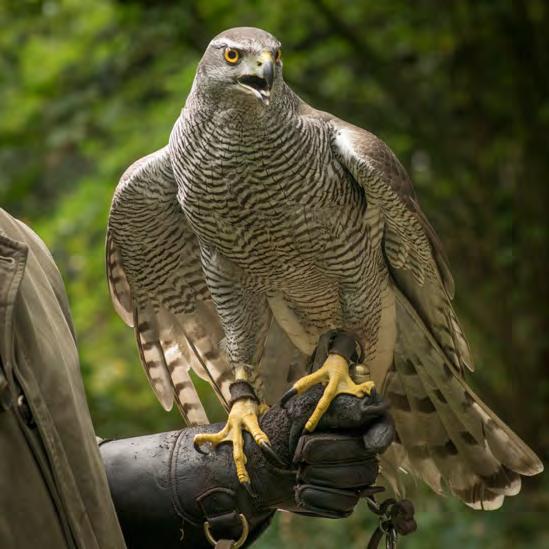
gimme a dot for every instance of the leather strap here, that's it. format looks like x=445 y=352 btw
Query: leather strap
x=346 y=345
x=337 y=342
x=395 y=518
x=224 y=524
x=242 y=390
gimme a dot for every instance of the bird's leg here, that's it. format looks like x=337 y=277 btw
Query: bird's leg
x=334 y=374
x=246 y=318
x=243 y=416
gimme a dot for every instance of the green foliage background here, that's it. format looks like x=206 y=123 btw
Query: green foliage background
x=460 y=91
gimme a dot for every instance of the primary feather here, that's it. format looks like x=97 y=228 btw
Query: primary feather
x=261 y=226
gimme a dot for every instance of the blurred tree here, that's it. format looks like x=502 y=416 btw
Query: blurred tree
x=460 y=92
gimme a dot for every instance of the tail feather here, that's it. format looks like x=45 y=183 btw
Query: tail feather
x=446 y=434
x=477 y=454
x=198 y=335
x=478 y=420
x=186 y=396
x=463 y=353
x=434 y=451
x=152 y=358
x=166 y=367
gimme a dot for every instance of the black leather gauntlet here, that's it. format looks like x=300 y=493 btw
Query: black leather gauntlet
x=165 y=492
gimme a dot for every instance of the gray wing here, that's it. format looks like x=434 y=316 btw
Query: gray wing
x=446 y=434
x=412 y=249
x=157 y=287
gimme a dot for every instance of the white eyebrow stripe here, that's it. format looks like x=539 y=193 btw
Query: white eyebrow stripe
x=227 y=43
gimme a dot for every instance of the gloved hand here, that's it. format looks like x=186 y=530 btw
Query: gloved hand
x=164 y=491
x=337 y=467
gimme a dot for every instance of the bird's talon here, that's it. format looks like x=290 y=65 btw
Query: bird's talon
x=198 y=448
x=271 y=455
x=287 y=396
x=248 y=487
x=199 y=441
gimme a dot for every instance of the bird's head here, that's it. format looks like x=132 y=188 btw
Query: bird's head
x=241 y=65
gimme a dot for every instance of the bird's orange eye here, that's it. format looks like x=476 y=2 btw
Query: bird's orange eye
x=278 y=56
x=231 y=56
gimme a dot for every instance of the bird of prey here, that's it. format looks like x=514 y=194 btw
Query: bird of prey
x=264 y=223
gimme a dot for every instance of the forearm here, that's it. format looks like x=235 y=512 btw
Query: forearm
x=163 y=490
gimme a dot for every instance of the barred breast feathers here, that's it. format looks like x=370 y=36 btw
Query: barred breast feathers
x=157 y=285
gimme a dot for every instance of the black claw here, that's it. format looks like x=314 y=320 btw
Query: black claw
x=287 y=396
x=199 y=449
x=272 y=456
x=305 y=431
x=248 y=487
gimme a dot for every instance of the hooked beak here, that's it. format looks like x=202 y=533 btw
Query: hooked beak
x=260 y=81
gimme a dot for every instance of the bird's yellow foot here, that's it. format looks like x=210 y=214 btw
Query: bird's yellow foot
x=334 y=373
x=242 y=417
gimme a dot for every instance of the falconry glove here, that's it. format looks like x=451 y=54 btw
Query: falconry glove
x=168 y=494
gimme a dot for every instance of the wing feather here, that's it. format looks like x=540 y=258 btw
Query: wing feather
x=446 y=434
x=119 y=286
x=442 y=421
x=414 y=254
x=157 y=286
